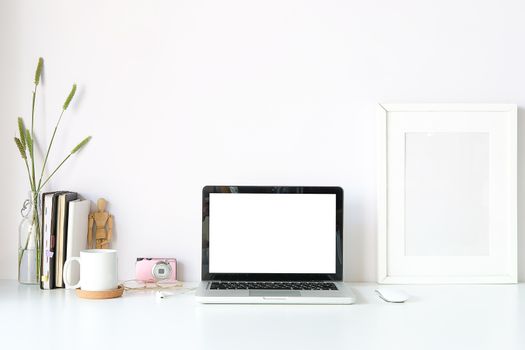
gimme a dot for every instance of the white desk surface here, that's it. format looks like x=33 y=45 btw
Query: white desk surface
x=437 y=317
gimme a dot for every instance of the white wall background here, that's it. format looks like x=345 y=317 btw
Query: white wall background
x=180 y=94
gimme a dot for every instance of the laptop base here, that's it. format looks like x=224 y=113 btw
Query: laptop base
x=342 y=296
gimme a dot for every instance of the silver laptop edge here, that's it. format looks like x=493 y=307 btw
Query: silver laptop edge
x=343 y=295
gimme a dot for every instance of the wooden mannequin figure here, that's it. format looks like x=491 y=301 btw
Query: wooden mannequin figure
x=101 y=219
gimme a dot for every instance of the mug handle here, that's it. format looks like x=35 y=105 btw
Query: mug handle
x=66 y=270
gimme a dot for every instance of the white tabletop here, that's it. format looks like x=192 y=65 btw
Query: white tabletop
x=436 y=317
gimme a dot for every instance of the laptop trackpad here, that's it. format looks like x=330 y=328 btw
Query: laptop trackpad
x=275 y=293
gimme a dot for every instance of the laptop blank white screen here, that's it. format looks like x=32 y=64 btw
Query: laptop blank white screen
x=272 y=233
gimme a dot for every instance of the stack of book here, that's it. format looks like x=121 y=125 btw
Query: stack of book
x=64 y=235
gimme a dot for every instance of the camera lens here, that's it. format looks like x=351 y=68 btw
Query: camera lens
x=161 y=270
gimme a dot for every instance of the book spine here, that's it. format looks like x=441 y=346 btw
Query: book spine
x=59 y=241
x=71 y=196
x=44 y=275
x=62 y=226
x=52 y=240
x=47 y=277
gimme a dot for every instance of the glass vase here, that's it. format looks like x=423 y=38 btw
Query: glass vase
x=29 y=241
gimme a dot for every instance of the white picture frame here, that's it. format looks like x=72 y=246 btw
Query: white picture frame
x=447 y=193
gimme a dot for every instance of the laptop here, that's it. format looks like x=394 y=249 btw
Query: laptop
x=272 y=245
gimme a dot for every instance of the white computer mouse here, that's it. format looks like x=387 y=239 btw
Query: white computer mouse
x=392 y=295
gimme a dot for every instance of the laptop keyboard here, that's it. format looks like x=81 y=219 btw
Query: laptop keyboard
x=275 y=285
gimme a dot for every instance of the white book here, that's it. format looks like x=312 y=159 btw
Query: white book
x=77 y=228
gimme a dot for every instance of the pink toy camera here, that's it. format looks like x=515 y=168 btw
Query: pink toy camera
x=156 y=269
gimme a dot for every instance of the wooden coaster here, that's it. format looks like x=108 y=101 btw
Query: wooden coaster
x=104 y=294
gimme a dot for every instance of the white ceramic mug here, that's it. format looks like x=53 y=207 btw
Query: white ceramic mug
x=98 y=270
